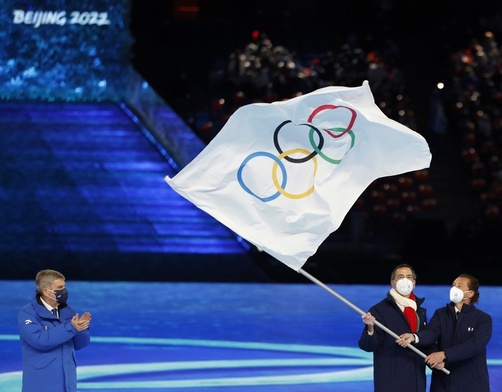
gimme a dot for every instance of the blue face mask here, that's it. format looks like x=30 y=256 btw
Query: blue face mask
x=61 y=296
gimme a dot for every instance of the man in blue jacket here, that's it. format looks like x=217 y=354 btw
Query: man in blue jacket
x=462 y=333
x=50 y=332
x=395 y=368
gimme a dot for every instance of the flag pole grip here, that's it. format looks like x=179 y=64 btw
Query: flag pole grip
x=360 y=311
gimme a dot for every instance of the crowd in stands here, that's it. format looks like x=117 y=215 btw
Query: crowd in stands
x=473 y=104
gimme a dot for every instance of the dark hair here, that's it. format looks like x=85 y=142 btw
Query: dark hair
x=393 y=275
x=473 y=285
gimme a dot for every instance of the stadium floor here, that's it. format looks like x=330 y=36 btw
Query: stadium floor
x=227 y=337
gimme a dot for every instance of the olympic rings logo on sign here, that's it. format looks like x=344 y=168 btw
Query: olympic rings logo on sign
x=280 y=185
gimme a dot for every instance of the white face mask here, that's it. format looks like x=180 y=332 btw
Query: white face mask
x=457 y=295
x=404 y=286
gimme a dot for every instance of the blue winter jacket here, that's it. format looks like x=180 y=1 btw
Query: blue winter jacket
x=48 y=347
x=464 y=342
x=395 y=368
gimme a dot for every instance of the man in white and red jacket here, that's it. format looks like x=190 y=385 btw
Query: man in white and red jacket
x=396 y=369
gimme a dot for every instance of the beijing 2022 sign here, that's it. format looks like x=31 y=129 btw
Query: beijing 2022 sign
x=60 y=18
x=73 y=50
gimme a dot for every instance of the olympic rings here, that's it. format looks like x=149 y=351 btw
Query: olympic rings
x=281 y=187
x=324 y=156
x=326 y=107
x=310 y=156
x=335 y=133
x=277 y=163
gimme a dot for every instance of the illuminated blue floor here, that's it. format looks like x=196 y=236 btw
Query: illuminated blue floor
x=222 y=336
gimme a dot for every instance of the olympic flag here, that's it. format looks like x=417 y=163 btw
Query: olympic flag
x=284 y=175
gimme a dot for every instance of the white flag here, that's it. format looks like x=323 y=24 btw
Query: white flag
x=284 y=175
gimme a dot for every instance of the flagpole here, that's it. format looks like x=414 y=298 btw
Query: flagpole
x=360 y=311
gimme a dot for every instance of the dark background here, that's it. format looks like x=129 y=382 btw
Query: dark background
x=170 y=43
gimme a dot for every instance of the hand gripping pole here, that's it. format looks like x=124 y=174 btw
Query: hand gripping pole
x=360 y=311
